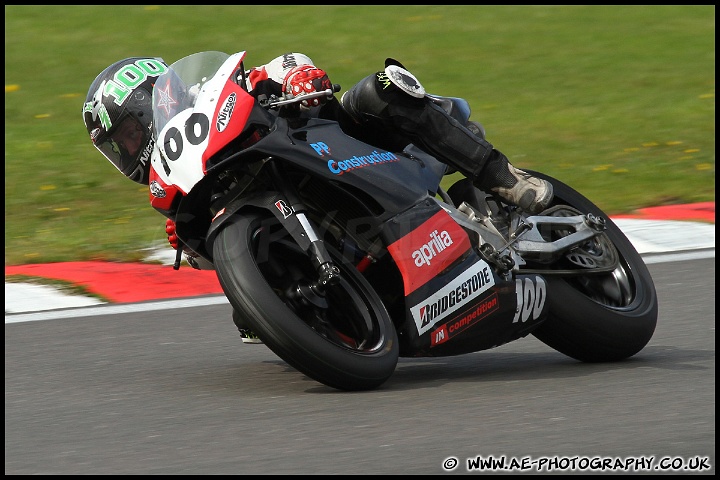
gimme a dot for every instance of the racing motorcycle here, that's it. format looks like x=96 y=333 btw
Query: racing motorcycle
x=343 y=257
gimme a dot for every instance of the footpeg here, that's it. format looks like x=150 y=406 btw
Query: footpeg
x=503 y=262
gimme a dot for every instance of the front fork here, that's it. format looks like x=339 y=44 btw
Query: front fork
x=304 y=232
x=328 y=273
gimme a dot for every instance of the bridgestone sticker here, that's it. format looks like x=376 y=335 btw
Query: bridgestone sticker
x=469 y=285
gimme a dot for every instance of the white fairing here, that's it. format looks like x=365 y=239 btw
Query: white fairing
x=187 y=169
x=184 y=106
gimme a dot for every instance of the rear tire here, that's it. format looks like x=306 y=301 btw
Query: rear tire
x=600 y=318
x=344 y=339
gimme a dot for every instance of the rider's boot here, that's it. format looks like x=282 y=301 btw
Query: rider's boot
x=516 y=186
x=395 y=98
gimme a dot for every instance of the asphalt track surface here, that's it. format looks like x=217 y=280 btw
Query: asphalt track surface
x=172 y=390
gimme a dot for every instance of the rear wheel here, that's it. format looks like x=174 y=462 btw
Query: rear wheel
x=342 y=337
x=599 y=317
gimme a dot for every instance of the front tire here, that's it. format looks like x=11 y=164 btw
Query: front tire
x=600 y=317
x=343 y=338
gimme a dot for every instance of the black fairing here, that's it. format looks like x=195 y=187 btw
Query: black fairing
x=373 y=181
x=320 y=149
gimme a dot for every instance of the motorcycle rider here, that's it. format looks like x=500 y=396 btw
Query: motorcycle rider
x=388 y=109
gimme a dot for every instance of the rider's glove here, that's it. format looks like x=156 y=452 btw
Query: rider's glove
x=170 y=230
x=305 y=79
x=174 y=241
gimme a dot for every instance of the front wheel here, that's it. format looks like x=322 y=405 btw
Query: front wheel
x=599 y=317
x=342 y=337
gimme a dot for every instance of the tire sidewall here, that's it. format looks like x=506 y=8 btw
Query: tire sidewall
x=589 y=331
x=283 y=332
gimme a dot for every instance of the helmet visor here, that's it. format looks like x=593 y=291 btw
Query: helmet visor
x=122 y=147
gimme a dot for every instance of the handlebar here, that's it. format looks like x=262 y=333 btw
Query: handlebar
x=275 y=102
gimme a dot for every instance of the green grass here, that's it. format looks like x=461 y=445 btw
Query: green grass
x=617 y=101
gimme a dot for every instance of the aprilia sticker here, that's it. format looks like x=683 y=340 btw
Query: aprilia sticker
x=429 y=249
x=468 y=285
x=438 y=242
